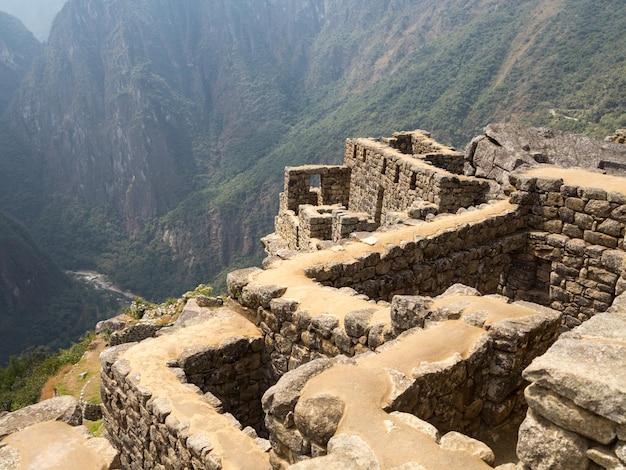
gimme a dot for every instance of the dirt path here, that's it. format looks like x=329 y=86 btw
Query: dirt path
x=69 y=380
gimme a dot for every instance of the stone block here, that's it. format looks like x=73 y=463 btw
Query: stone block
x=611 y=227
x=614 y=261
x=597 y=238
x=601 y=275
x=409 y=311
x=549 y=184
x=282 y=397
x=456 y=441
x=598 y=208
x=553 y=226
x=566 y=414
x=324 y=325
x=590 y=373
x=354 y=448
x=583 y=221
x=620 y=450
x=592 y=193
x=237 y=280
x=605 y=458
x=357 y=322
x=619 y=214
x=572 y=231
x=417 y=424
x=253 y=296
x=544 y=446
x=576 y=246
x=566 y=215
x=574 y=203
x=318 y=417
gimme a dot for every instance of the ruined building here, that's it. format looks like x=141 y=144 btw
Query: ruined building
x=417 y=303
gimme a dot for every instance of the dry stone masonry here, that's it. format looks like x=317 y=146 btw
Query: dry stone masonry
x=577 y=398
x=402 y=318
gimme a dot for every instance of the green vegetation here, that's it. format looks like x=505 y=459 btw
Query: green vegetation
x=22 y=379
x=202 y=289
x=39 y=303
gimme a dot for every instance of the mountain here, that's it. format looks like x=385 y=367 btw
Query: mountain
x=157 y=130
x=39 y=303
x=18 y=48
x=37 y=15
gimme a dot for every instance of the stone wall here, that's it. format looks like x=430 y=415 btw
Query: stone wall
x=234 y=373
x=371 y=332
x=134 y=333
x=333 y=185
x=475 y=254
x=378 y=180
x=575 y=258
x=185 y=402
x=421 y=145
x=577 y=399
x=466 y=393
x=286 y=224
x=314 y=222
x=138 y=425
x=384 y=180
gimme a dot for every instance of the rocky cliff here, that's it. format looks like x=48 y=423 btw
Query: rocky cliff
x=18 y=47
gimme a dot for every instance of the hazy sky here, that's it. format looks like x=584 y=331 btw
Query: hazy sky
x=37 y=15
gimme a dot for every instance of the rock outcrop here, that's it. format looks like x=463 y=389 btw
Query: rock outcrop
x=57 y=445
x=503 y=148
x=65 y=409
x=577 y=398
x=49 y=435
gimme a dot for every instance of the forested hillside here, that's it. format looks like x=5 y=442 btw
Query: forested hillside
x=151 y=134
x=39 y=303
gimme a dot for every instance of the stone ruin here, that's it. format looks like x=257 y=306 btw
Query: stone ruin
x=418 y=306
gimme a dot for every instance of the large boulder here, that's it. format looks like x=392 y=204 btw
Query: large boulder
x=54 y=444
x=505 y=147
x=545 y=446
x=318 y=417
x=587 y=367
x=65 y=408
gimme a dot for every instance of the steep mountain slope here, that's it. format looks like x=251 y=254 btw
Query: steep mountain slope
x=39 y=304
x=18 y=47
x=159 y=128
